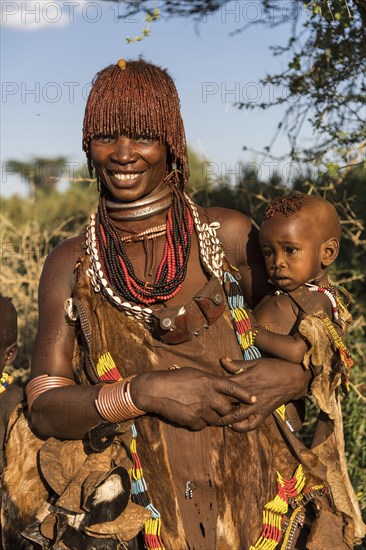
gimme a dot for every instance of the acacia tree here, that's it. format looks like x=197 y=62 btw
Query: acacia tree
x=325 y=75
x=41 y=174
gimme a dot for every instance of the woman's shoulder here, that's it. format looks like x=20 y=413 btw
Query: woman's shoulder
x=227 y=215
x=67 y=251
x=61 y=262
x=232 y=222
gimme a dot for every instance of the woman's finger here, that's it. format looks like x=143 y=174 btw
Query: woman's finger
x=236 y=391
x=234 y=366
x=248 y=424
x=238 y=414
x=230 y=365
x=223 y=406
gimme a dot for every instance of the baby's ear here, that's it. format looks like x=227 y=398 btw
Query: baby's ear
x=11 y=353
x=329 y=251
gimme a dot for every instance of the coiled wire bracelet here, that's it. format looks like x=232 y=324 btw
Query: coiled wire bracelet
x=114 y=402
x=44 y=383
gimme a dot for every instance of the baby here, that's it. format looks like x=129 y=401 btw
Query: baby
x=10 y=395
x=299 y=239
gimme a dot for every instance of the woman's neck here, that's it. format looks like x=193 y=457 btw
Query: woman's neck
x=152 y=205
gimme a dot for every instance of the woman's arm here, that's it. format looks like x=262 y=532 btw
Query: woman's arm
x=66 y=412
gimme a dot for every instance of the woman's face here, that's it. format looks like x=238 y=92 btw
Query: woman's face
x=130 y=169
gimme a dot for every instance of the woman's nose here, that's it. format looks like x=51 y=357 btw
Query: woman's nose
x=124 y=151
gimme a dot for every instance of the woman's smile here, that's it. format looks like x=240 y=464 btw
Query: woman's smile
x=129 y=169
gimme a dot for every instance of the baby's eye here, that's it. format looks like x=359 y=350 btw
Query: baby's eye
x=291 y=250
x=267 y=253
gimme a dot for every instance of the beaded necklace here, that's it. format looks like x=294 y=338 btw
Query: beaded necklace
x=151 y=233
x=173 y=266
x=211 y=254
x=332 y=291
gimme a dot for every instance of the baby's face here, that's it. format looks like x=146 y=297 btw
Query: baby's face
x=291 y=248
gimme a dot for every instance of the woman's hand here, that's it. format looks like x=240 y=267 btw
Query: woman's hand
x=273 y=382
x=189 y=397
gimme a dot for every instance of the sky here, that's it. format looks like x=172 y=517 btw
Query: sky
x=51 y=49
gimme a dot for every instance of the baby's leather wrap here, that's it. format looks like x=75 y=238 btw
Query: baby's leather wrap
x=323 y=359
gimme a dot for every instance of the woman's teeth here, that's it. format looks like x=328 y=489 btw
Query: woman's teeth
x=125 y=177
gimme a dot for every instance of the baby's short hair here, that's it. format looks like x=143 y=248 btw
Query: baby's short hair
x=287 y=204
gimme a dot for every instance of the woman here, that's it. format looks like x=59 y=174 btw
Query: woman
x=149 y=293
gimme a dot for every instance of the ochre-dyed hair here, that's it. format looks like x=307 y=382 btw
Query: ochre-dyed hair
x=288 y=204
x=139 y=100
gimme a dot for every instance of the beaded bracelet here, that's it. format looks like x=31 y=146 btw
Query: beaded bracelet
x=255 y=331
x=114 y=402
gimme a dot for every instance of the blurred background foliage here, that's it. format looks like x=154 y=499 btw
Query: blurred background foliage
x=31 y=226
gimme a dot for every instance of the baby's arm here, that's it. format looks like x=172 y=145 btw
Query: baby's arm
x=275 y=317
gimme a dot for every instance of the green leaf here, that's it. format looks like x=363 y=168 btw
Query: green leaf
x=332 y=169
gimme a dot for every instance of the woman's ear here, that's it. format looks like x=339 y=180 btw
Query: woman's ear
x=329 y=251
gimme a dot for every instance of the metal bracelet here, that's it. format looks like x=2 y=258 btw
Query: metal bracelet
x=114 y=402
x=44 y=383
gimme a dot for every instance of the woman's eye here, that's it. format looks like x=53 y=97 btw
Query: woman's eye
x=105 y=139
x=144 y=139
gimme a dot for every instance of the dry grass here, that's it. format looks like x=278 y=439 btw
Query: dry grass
x=23 y=250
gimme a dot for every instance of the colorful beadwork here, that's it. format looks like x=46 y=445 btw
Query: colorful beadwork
x=332 y=291
x=291 y=493
x=281 y=411
x=344 y=353
x=240 y=319
x=274 y=513
x=5 y=382
x=119 y=270
x=152 y=527
x=244 y=330
x=106 y=368
x=297 y=518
